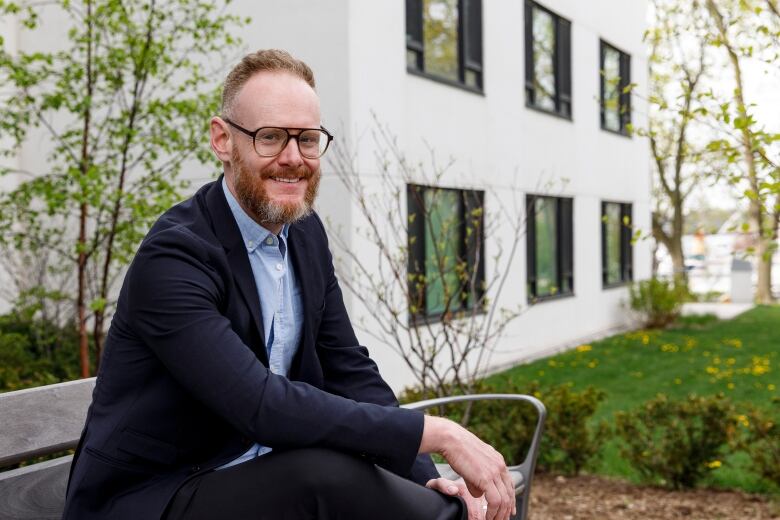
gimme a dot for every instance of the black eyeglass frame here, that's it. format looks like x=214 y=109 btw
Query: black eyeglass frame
x=253 y=135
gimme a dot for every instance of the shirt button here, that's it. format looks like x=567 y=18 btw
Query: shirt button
x=279 y=267
x=269 y=241
x=250 y=244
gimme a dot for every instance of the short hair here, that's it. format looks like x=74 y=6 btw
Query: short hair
x=272 y=60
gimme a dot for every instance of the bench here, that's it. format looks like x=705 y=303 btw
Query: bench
x=49 y=419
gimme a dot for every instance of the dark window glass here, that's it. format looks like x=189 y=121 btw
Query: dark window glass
x=616 y=247
x=549 y=247
x=444 y=40
x=615 y=94
x=446 y=272
x=547 y=60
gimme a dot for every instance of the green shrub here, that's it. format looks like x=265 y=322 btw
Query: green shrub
x=658 y=302
x=35 y=352
x=567 y=444
x=762 y=441
x=676 y=443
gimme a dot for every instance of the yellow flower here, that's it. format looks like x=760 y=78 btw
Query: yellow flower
x=677 y=381
x=770 y=387
x=730 y=386
x=714 y=464
x=645 y=339
x=584 y=348
x=712 y=370
x=593 y=364
x=743 y=420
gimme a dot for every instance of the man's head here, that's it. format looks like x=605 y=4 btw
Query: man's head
x=269 y=88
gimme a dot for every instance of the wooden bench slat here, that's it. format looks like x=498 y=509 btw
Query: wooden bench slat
x=35 y=492
x=43 y=420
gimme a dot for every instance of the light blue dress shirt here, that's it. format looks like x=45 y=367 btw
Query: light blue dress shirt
x=280 y=297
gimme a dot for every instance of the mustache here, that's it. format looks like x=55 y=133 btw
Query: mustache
x=287 y=173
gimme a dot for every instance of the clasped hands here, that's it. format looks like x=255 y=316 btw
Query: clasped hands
x=485 y=478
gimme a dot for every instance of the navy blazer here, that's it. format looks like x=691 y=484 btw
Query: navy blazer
x=183 y=385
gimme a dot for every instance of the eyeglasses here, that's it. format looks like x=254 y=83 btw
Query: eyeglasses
x=269 y=141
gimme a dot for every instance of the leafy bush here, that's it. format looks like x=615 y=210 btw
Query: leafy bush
x=35 y=352
x=567 y=444
x=659 y=302
x=762 y=441
x=676 y=443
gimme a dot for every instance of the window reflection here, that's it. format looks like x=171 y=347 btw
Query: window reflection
x=544 y=59
x=611 y=89
x=440 y=36
x=546 y=248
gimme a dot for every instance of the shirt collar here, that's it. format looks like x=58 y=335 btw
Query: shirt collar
x=252 y=233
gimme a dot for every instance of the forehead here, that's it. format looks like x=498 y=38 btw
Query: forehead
x=277 y=99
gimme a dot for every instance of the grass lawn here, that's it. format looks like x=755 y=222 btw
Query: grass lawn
x=737 y=357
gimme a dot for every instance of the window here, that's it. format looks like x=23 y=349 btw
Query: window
x=547 y=60
x=615 y=94
x=446 y=250
x=549 y=247
x=616 y=251
x=444 y=40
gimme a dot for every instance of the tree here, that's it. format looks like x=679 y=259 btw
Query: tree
x=678 y=59
x=117 y=111
x=437 y=312
x=748 y=30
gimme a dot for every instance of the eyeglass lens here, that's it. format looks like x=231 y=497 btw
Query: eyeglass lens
x=270 y=141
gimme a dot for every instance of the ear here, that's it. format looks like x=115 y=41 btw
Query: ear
x=221 y=139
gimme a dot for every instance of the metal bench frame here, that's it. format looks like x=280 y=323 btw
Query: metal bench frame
x=522 y=474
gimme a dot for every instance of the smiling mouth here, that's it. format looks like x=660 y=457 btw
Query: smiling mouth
x=287 y=180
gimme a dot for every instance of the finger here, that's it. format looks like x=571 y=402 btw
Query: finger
x=510 y=486
x=443 y=485
x=505 y=505
x=494 y=500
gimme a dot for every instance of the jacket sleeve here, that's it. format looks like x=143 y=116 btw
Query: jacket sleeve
x=175 y=288
x=347 y=367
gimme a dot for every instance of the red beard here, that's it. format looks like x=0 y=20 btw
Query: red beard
x=251 y=192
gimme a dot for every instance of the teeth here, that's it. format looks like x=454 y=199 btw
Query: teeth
x=288 y=181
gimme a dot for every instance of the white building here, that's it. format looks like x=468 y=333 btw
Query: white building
x=512 y=91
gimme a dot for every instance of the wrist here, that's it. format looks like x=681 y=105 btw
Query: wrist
x=437 y=432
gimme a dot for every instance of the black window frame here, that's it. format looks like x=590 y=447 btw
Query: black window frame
x=626 y=245
x=469 y=44
x=564 y=218
x=624 y=101
x=472 y=249
x=562 y=63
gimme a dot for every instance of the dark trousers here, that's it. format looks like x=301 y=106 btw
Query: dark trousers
x=310 y=484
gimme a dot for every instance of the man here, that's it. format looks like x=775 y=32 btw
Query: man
x=232 y=384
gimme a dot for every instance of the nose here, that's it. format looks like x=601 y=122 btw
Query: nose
x=290 y=155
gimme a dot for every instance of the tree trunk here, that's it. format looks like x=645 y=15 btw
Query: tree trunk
x=81 y=302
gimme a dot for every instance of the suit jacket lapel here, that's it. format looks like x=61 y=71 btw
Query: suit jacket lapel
x=227 y=232
x=303 y=365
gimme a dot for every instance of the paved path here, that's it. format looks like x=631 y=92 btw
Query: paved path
x=724 y=311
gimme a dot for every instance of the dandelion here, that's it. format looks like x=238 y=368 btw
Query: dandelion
x=593 y=364
x=743 y=420
x=541 y=373
x=712 y=370
x=733 y=342
x=645 y=339
x=731 y=361
x=730 y=386
x=584 y=348
x=714 y=464
x=677 y=381
x=669 y=347
x=770 y=387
